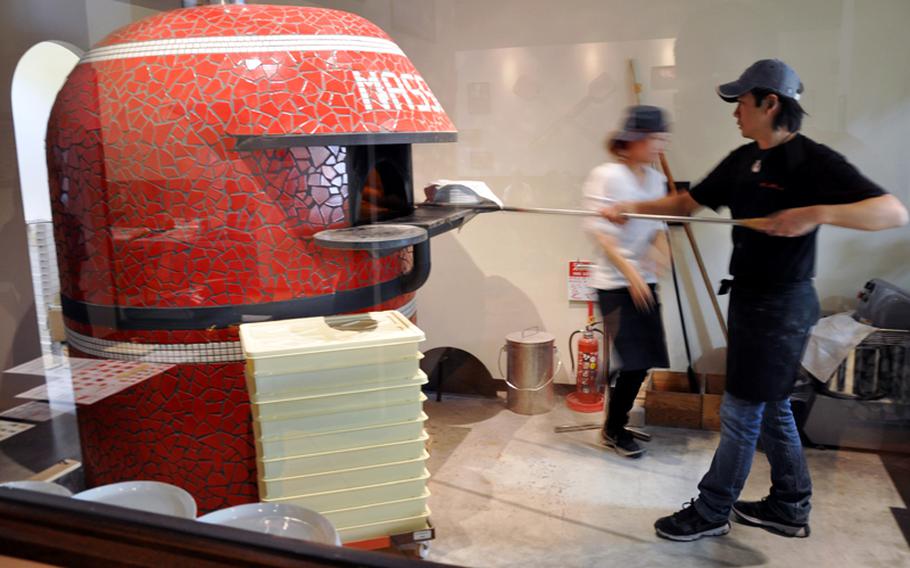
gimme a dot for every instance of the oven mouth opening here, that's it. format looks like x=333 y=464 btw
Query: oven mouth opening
x=380 y=183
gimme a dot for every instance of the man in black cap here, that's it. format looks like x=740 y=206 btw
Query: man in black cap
x=794 y=185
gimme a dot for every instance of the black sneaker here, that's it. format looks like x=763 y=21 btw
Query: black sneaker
x=687 y=524
x=623 y=442
x=760 y=514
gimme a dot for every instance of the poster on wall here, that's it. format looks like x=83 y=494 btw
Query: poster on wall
x=579 y=281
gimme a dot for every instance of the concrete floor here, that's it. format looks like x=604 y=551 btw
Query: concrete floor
x=508 y=491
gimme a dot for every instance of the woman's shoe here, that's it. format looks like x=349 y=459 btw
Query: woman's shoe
x=623 y=442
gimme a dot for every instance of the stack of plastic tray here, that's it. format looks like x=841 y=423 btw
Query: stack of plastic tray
x=45 y=277
x=338 y=419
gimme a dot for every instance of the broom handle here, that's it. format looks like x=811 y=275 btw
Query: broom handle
x=690 y=372
x=636 y=91
x=697 y=253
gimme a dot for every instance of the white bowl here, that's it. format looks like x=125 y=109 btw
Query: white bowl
x=150 y=496
x=40 y=487
x=278 y=519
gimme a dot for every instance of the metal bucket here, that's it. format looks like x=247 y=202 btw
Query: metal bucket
x=530 y=371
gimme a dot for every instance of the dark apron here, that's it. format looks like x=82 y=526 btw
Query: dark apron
x=637 y=337
x=769 y=327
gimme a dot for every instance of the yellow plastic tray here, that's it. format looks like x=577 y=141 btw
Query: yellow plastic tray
x=380 y=512
x=269 y=430
x=359 y=496
x=342 y=479
x=264 y=388
x=364 y=456
x=344 y=439
x=403 y=390
x=386 y=528
x=309 y=344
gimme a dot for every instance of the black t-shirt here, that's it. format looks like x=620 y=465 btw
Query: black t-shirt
x=799 y=173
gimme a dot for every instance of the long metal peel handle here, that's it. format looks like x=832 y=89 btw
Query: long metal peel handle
x=684 y=219
x=751 y=223
x=671 y=218
x=587 y=213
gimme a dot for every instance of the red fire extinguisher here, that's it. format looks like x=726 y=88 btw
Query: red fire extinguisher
x=586 y=397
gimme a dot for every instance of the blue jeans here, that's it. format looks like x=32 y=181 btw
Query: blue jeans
x=742 y=422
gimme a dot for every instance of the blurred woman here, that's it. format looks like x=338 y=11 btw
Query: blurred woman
x=632 y=257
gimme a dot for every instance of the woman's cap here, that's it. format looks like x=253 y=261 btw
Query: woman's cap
x=641 y=121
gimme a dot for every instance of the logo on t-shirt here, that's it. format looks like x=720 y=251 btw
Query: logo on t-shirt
x=770 y=185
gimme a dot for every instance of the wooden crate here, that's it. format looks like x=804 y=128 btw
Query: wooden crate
x=669 y=402
x=714 y=384
x=711 y=399
x=710 y=412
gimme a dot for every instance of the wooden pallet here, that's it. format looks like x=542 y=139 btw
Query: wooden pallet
x=669 y=402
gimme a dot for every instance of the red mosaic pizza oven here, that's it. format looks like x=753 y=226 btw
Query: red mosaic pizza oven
x=193 y=155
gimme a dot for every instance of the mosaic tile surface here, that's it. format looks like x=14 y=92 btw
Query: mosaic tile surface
x=154 y=207
x=190 y=426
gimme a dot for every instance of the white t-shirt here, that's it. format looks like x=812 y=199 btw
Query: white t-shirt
x=617 y=182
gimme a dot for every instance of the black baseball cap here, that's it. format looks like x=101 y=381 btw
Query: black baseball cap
x=641 y=121
x=770 y=74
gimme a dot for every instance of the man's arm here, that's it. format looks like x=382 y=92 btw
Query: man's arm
x=679 y=204
x=873 y=214
x=713 y=192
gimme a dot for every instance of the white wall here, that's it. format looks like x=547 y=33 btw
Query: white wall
x=544 y=131
x=556 y=87
x=23 y=23
x=38 y=77
x=105 y=16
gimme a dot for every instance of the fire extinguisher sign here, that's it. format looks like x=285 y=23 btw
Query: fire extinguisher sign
x=579 y=281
